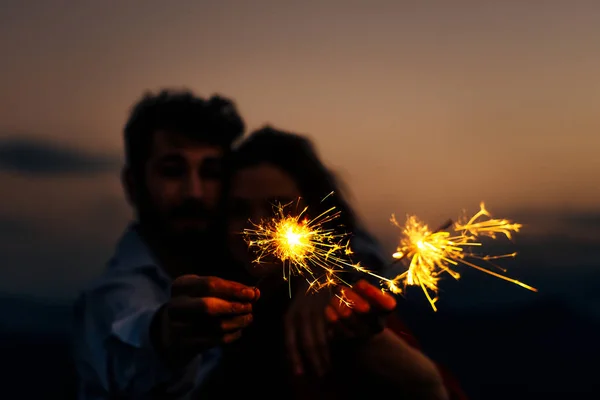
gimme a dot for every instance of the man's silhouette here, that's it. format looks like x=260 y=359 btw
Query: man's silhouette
x=152 y=324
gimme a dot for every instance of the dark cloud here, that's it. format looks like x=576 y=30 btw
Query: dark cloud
x=34 y=156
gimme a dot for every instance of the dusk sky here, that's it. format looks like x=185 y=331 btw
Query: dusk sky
x=420 y=107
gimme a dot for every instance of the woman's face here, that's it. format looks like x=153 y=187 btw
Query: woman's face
x=254 y=190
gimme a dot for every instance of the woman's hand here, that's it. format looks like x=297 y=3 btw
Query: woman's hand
x=312 y=316
x=305 y=328
x=360 y=312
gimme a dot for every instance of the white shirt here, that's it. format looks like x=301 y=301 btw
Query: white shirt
x=113 y=354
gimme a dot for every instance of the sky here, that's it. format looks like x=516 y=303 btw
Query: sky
x=423 y=108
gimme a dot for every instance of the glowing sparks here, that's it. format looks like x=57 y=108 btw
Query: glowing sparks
x=305 y=247
x=430 y=254
x=314 y=249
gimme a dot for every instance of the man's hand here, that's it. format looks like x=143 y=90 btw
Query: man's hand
x=362 y=314
x=305 y=329
x=203 y=312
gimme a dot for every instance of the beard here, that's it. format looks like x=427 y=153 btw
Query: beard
x=184 y=229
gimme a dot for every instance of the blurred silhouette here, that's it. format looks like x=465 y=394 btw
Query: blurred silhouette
x=271 y=167
x=290 y=342
x=138 y=327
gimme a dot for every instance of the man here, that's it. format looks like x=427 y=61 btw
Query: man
x=152 y=324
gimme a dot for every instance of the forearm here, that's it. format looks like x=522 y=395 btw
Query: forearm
x=397 y=366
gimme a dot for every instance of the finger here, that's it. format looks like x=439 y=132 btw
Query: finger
x=331 y=315
x=211 y=327
x=217 y=287
x=334 y=320
x=349 y=315
x=352 y=303
x=374 y=296
x=355 y=302
x=196 y=344
x=231 y=337
x=185 y=308
x=291 y=346
x=217 y=325
x=236 y=323
x=360 y=318
x=211 y=286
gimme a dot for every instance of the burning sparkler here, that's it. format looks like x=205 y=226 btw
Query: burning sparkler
x=433 y=253
x=319 y=254
x=306 y=247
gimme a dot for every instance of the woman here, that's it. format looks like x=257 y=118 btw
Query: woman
x=326 y=342
x=273 y=166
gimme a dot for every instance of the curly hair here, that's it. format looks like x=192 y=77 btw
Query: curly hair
x=214 y=121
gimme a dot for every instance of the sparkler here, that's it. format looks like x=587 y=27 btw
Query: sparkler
x=433 y=253
x=306 y=247
x=319 y=254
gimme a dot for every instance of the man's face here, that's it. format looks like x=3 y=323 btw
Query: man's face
x=181 y=186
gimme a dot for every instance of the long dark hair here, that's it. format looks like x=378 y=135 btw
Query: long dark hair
x=295 y=155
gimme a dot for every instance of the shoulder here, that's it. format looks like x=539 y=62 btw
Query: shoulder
x=132 y=280
x=118 y=293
